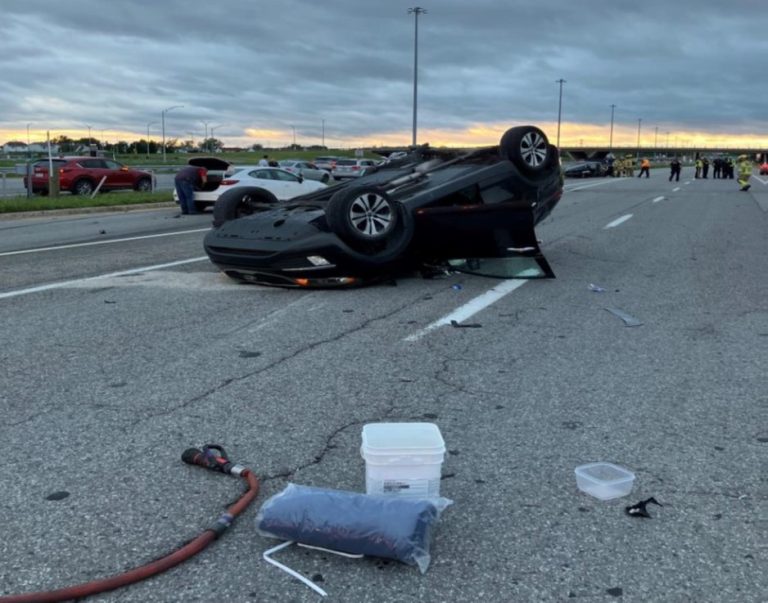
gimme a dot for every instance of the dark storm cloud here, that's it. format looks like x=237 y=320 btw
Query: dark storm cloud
x=270 y=66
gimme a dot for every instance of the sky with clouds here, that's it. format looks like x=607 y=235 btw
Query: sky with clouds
x=692 y=71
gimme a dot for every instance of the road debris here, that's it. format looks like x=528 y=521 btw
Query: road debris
x=629 y=321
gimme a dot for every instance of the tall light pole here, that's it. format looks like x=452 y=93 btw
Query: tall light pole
x=667 y=139
x=205 y=140
x=151 y=123
x=323 y=144
x=29 y=151
x=213 y=129
x=294 y=135
x=89 y=136
x=415 y=11
x=610 y=139
x=561 y=81
x=162 y=114
x=639 y=122
x=656 y=138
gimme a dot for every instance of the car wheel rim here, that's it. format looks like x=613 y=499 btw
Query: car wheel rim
x=533 y=149
x=371 y=214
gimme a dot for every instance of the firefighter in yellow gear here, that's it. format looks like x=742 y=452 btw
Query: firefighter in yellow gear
x=745 y=172
x=618 y=168
x=629 y=166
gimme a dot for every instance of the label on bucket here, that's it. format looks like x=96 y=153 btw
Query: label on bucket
x=421 y=488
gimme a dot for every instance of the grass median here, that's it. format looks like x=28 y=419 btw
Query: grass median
x=19 y=204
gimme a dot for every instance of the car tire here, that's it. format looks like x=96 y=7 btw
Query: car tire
x=527 y=148
x=82 y=187
x=368 y=220
x=143 y=185
x=240 y=202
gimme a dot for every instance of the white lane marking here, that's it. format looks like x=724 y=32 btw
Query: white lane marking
x=674 y=190
x=688 y=182
x=582 y=186
x=79 y=281
x=761 y=180
x=73 y=245
x=618 y=221
x=471 y=308
x=657 y=199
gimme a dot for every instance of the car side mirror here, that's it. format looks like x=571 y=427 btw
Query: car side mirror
x=301 y=178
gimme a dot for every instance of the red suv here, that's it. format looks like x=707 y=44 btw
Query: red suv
x=81 y=176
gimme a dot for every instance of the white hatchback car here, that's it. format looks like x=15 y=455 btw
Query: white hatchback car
x=281 y=183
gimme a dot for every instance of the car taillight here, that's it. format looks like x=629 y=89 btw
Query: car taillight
x=355 y=167
x=225 y=182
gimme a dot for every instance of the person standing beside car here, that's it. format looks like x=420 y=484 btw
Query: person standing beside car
x=186 y=180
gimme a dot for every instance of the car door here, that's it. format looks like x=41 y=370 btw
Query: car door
x=290 y=183
x=265 y=177
x=96 y=169
x=117 y=175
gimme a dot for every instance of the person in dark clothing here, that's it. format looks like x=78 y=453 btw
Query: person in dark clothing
x=717 y=166
x=186 y=180
x=674 y=170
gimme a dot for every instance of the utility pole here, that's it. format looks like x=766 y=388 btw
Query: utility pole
x=415 y=11
x=205 y=140
x=561 y=81
x=323 y=143
x=639 y=122
x=162 y=114
x=610 y=139
x=152 y=123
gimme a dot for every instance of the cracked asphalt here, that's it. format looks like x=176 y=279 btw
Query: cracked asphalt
x=105 y=382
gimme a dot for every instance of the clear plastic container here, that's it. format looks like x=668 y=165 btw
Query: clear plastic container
x=604 y=480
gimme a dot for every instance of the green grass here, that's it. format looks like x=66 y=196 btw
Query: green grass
x=17 y=204
x=243 y=158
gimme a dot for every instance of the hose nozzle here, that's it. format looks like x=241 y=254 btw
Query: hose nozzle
x=211 y=457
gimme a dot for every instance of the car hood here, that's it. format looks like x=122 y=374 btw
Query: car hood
x=210 y=163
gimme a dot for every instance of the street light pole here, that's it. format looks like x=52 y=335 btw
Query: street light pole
x=561 y=81
x=610 y=139
x=151 y=123
x=415 y=11
x=294 y=135
x=89 y=136
x=29 y=151
x=162 y=115
x=213 y=129
x=323 y=144
x=639 y=122
x=205 y=140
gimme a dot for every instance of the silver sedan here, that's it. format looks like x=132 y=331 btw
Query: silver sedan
x=306 y=169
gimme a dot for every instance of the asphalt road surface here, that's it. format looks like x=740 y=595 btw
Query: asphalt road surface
x=122 y=346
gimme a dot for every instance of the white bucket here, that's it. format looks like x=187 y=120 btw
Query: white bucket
x=403 y=459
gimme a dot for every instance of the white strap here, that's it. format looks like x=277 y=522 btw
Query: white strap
x=288 y=570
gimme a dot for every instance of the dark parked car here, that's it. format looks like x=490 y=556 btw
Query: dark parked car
x=81 y=176
x=586 y=169
x=472 y=211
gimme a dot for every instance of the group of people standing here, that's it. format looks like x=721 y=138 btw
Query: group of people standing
x=723 y=168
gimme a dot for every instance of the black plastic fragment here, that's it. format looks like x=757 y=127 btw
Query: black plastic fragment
x=639 y=509
x=471 y=325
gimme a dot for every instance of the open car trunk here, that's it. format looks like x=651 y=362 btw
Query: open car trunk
x=217 y=170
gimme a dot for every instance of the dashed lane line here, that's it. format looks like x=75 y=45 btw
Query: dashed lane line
x=91 y=243
x=618 y=221
x=62 y=284
x=657 y=199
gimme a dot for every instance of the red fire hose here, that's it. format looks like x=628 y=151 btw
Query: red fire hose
x=211 y=457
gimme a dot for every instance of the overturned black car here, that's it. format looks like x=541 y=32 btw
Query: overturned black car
x=469 y=211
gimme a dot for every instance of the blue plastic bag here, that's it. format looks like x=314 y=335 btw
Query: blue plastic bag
x=360 y=524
